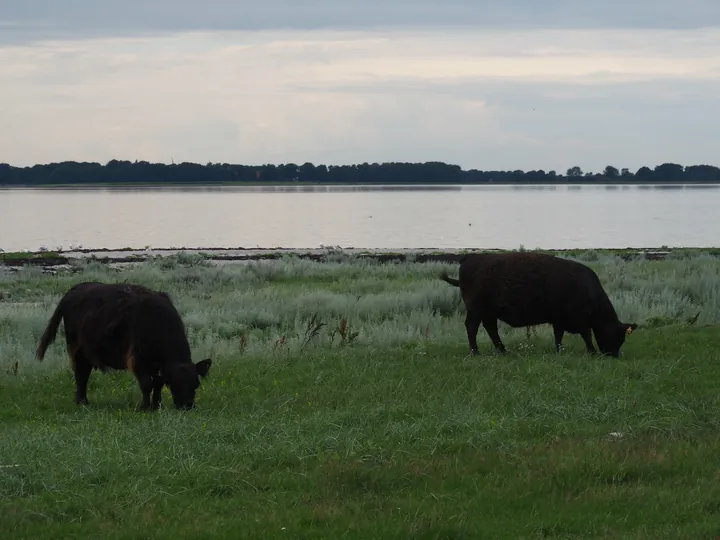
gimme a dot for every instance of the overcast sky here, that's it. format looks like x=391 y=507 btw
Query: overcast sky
x=486 y=84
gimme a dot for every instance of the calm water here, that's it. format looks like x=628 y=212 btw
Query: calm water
x=362 y=217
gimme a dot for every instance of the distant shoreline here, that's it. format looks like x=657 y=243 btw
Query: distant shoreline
x=175 y=185
x=240 y=254
x=125 y=172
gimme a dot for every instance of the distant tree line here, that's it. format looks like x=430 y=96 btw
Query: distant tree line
x=143 y=172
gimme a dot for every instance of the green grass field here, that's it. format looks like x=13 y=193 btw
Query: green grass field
x=381 y=426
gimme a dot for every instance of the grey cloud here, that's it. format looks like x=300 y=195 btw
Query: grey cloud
x=523 y=125
x=151 y=100
x=551 y=125
x=27 y=20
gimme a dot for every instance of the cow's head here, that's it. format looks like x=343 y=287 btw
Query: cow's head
x=612 y=336
x=184 y=379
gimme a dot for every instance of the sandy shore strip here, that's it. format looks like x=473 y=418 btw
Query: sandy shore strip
x=225 y=255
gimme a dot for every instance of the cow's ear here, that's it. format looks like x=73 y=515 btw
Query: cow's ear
x=203 y=367
x=629 y=328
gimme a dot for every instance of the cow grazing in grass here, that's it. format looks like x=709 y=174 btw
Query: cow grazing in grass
x=124 y=326
x=526 y=289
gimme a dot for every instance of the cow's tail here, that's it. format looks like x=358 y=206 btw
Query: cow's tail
x=49 y=334
x=452 y=281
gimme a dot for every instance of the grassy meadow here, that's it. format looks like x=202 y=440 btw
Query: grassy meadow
x=343 y=403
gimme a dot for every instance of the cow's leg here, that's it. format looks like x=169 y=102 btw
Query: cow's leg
x=81 y=370
x=491 y=328
x=472 y=324
x=559 y=332
x=158 y=383
x=587 y=338
x=146 y=382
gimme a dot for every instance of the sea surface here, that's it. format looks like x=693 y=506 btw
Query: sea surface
x=448 y=216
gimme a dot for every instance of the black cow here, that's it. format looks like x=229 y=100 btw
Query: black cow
x=125 y=326
x=526 y=289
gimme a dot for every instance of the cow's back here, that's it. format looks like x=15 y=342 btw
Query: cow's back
x=109 y=322
x=527 y=288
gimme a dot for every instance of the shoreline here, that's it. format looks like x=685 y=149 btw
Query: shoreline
x=321 y=254
x=289 y=183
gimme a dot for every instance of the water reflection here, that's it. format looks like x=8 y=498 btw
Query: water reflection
x=346 y=188
x=287 y=188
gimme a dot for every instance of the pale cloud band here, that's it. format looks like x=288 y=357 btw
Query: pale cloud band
x=479 y=97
